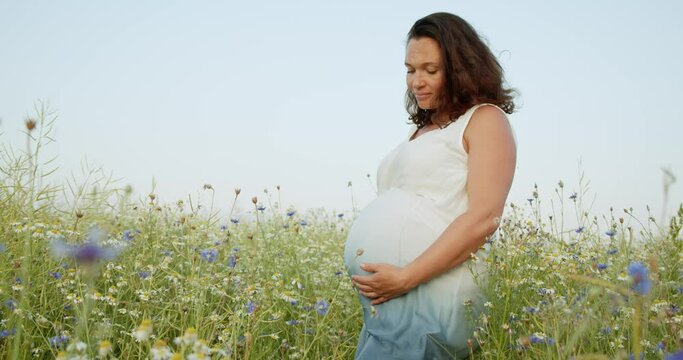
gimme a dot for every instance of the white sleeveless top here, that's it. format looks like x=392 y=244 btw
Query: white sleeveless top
x=433 y=166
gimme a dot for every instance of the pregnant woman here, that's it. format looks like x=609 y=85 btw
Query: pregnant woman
x=441 y=193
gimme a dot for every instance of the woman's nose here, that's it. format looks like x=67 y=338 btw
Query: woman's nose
x=418 y=81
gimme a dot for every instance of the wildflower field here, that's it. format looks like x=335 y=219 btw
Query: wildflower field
x=88 y=272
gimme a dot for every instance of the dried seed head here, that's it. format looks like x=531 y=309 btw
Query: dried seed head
x=350 y=184
x=79 y=214
x=30 y=124
x=208 y=187
x=237 y=191
x=152 y=197
x=524 y=341
x=359 y=252
x=652 y=261
x=254 y=200
x=470 y=344
x=278 y=187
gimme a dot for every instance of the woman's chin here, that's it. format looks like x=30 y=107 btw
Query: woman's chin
x=425 y=105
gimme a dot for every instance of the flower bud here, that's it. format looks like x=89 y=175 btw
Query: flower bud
x=30 y=124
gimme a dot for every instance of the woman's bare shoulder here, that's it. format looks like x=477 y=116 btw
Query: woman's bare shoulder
x=487 y=121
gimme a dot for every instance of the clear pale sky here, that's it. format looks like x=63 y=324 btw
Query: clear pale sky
x=309 y=94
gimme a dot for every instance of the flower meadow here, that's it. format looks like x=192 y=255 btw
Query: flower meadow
x=88 y=272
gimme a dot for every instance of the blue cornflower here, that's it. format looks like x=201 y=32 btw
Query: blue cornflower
x=57 y=275
x=641 y=278
x=530 y=309
x=166 y=253
x=294 y=302
x=251 y=307
x=235 y=220
x=544 y=291
x=660 y=346
x=606 y=330
x=612 y=251
x=307 y=307
x=610 y=233
x=676 y=356
x=530 y=200
x=303 y=223
x=232 y=261
x=143 y=274
x=209 y=255
x=292 y=322
x=602 y=266
x=579 y=229
x=11 y=304
x=338 y=273
x=573 y=196
x=291 y=213
x=340 y=215
x=680 y=290
x=59 y=340
x=7 y=333
x=536 y=340
x=224 y=227
x=89 y=252
x=321 y=307
x=128 y=235
x=512 y=318
x=260 y=208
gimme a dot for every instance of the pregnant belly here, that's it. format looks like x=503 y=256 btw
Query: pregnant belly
x=395 y=228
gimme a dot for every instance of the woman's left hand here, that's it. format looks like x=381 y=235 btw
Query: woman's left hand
x=385 y=283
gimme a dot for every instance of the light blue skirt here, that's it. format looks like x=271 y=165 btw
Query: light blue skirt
x=431 y=321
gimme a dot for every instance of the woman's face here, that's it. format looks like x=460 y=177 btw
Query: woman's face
x=425 y=77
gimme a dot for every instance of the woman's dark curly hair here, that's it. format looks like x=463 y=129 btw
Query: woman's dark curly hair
x=472 y=73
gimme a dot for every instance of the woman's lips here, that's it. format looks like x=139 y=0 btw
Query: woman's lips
x=422 y=97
